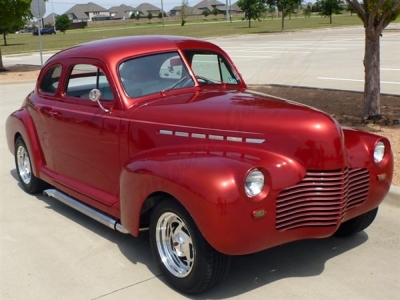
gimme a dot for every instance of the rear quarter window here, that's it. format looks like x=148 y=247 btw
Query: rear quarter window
x=50 y=80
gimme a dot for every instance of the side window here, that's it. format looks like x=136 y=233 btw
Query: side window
x=83 y=78
x=227 y=74
x=50 y=80
x=206 y=65
x=212 y=67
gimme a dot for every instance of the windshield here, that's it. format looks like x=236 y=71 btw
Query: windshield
x=163 y=72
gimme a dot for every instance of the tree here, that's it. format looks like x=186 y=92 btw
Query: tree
x=136 y=16
x=215 y=12
x=350 y=9
x=330 y=7
x=12 y=13
x=149 y=16
x=161 y=15
x=253 y=9
x=286 y=7
x=63 y=23
x=185 y=11
x=272 y=11
x=205 y=13
x=376 y=16
x=307 y=12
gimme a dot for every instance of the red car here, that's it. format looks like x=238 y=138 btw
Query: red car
x=161 y=133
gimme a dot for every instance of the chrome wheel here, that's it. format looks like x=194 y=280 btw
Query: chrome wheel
x=24 y=165
x=175 y=244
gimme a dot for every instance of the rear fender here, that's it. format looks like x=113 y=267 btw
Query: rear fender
x=20 y=123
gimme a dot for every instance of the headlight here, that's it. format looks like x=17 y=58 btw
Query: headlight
x=379 y=152
x=254 y=183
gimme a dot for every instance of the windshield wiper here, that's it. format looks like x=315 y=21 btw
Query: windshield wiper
x=207 y=80
x=174 y=85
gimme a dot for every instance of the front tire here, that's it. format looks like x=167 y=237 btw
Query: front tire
x=187 y=261
x=30 y=183
x=356 y=224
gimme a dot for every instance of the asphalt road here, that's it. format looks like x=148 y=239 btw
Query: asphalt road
x=49 y=251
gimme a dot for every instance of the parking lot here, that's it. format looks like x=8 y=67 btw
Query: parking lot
x=322 y=58
x=49 y=251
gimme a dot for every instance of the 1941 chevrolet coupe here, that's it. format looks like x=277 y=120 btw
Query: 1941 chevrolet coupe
x=161 y=133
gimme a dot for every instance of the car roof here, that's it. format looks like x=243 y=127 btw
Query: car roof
x=116 y=49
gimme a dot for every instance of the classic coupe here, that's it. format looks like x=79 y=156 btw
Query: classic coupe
x=161 y=133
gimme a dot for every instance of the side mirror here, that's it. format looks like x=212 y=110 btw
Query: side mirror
x=95 y=95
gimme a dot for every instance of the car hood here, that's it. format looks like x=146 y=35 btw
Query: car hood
x=277 y=125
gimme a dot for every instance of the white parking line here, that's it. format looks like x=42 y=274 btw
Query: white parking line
x=11 y=58
x=355 y=80
x=274 y=51
x=249 y=56
x=297 y=47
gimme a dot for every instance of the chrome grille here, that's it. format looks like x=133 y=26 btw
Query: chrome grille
x=321 y=198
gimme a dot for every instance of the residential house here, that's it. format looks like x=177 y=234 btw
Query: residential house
x=49 y=21
x=86 y=12
x=177 y=11
x=234 y=8
x=208 y=5
x=145 y=8
x=122 y=11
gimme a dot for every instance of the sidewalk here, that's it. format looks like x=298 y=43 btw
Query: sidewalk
x=393 y=197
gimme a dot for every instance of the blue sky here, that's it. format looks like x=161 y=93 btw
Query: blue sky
x=61 y=6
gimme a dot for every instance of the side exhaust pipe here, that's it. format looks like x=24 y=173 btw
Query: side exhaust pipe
x=90 y=212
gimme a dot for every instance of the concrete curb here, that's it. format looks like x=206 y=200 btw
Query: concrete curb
x=393 y=197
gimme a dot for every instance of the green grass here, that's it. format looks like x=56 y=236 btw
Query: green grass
x=23 y=43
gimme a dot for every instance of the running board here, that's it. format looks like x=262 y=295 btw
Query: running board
x=90 y=212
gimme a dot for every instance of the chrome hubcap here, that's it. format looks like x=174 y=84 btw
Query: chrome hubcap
x=24 y=165
x=175 y=245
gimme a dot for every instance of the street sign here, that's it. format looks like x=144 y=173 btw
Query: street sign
x=38 y=8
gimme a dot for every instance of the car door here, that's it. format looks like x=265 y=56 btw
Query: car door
x=85 y=138
x=41 y=111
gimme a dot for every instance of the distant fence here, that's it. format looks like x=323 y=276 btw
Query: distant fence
x=155 y=19
x=79 y=25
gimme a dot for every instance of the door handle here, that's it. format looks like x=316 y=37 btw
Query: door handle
x=53 y=112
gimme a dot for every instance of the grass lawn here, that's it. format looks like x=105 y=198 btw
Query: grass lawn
x=22 y=43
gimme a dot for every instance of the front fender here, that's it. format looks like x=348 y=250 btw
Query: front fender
x=210 y=185
x=192 y=179
x=360 y=148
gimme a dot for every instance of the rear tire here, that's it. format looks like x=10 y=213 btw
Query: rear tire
x=187 y=261
x=30 y=183
x=357 y=224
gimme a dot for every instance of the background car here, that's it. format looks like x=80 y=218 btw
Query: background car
x=44 y=31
